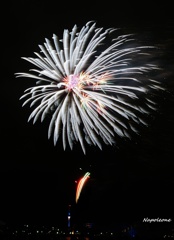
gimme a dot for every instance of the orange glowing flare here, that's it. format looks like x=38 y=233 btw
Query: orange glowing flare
x=81 y=184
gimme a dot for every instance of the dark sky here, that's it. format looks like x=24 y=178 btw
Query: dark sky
x=128 y=182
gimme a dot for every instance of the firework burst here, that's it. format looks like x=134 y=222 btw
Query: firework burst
x=90 y=86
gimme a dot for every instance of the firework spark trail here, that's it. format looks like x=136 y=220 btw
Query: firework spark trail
x=80 y=185
x=90 y=94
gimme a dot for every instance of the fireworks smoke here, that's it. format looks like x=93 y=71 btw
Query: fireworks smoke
x=89 y=84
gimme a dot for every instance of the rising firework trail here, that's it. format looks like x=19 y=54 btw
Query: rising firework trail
x=90 y=84
x=81 y=184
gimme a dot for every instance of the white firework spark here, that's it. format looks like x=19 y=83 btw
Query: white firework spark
x=90 y=93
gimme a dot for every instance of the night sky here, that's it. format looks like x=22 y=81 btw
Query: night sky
x=128 y=182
